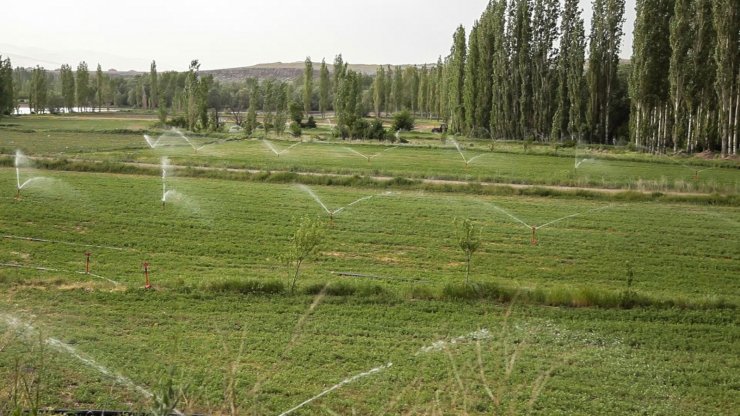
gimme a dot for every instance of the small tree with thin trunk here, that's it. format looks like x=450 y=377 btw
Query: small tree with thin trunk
x=302 y=246
x=468 y=239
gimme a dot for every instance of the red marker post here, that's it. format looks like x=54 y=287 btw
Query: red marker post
x=146 y=275
x=87 y=262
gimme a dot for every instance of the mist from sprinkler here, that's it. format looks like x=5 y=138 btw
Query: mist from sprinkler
x=533 y=227
x=332 y=213
x=338 y=385
x=696 y=171
x=20 y=161
x=153 y=144
x=368 y=157
x=466 y=160
x=275 y=149
x=577 y=163
x=27 y=331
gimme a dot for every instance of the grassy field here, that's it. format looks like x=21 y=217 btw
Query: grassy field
x=122 y=140
x=382 y=321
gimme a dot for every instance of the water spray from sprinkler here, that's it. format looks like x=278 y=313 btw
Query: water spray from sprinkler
x=466 y=160
x=153 y=144
x=534 y=241
x=20 y=160
x=165 y=166
x=696 y=171
x=577 y=163
x=332 y=213
x=275 y=150
x=368 y=157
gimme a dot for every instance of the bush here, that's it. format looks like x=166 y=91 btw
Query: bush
x=376 y=130
x=403 y=121
x=311 y=123
x=296 y=112
x=359 y=129
x=340 y=132
x=179 y=122
x=295 y=129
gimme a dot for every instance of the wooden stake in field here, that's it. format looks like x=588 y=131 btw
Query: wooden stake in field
x=146 y=276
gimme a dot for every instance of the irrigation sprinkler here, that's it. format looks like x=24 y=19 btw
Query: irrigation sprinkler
x=332 y=213
x=20 y=160
x=87 y=262
x=146 y=275
x=368 y=157
x=275 y=150
x=466 y=160
x=534 y=241
x=696 y=171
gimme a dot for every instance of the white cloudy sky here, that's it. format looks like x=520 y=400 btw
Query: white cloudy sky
x=223 y=34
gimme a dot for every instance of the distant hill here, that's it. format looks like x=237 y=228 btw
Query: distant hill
x=281 y=70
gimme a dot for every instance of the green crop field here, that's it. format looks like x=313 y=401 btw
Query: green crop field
x=118 y=140
x=382 y=321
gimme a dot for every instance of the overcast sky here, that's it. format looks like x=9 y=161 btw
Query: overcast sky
x=225 y=34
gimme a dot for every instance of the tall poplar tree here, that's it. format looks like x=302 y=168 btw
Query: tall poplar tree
x=99 y=87
x=411 y=88
x=397 y=89
x=324 y=86
x=576 y=84
x=606 y=35
x=68 y=87
x=649 y=86
x=679 y=71
x=423 y=94
x=307 y=85
x=727 y=83
x=379 y=91
x=568 y=114
x=38 y=98
x=455 y=81
x=701 y=94
x=544 y=34
x=340 y=72
x=153 y=85
x=7 y=92
x=83 y=86
x=250 y=124
x=500 y=87
x=281 y=107
x=471 y=84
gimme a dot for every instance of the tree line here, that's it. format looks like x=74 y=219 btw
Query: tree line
x=522 y=72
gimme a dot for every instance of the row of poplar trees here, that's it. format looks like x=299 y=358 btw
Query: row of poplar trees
x=685 y=78
x=77 y=89
x=522 y=72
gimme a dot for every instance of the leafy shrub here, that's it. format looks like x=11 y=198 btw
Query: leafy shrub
x=178 y=121
x=340 y=132
x=359 y=129
x=376 y=130
x=403 y=121
x=295 y=129
x=311 y=123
